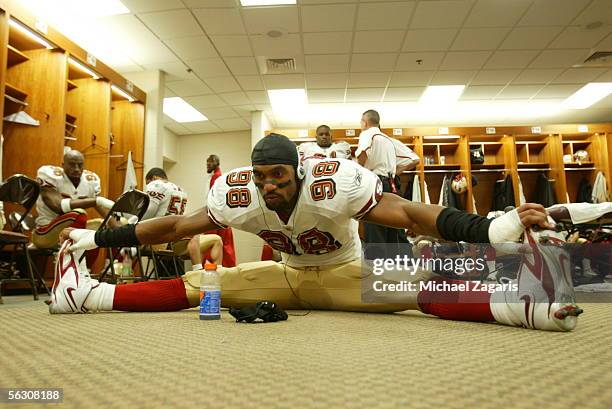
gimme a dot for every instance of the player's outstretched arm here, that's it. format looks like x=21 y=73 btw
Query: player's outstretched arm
x=452 y=224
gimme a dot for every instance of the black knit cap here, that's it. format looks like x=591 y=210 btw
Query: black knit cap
x=274 y=149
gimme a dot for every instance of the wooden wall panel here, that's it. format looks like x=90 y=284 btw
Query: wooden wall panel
x=128 y=135
x=3 y=56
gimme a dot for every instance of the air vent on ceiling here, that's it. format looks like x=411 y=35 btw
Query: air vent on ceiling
x=280 y=65
x=598 y=59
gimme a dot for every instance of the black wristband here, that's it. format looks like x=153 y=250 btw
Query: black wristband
x=124 y=236
x=455 y=225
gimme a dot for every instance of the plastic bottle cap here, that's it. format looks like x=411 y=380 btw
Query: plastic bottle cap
x=210 y=266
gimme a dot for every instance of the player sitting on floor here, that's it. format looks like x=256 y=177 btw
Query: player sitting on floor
x=307 y=212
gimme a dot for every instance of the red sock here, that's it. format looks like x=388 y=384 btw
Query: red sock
x=456 y=305
x=167 y=295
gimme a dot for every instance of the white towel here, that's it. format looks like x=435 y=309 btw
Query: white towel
x=416 y=190
x=585 y=212
x=600 y=190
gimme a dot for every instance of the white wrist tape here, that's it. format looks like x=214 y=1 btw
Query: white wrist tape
x=65 y=205
x=506 y=229
x=196 y=267
x=83 y=239
x=104 y=202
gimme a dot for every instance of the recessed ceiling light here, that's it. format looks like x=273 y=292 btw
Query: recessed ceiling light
x=288 y=100
x=588 y=95
x=441 y=94
x=179 y=110
x=251 y=3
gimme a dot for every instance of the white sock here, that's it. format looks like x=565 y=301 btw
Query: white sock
x=101 y=298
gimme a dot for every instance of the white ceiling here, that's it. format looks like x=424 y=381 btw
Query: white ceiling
x=360 y=52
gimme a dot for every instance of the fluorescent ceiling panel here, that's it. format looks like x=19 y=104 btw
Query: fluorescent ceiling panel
x=588 y=95
x=251 y=3
x=289 y=101
x=179 y=110
x=441 y=94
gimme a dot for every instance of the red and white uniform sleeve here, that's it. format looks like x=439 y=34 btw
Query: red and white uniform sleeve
x=363 y=189
x=50 y=176
x=93 y=181
x=233 y=198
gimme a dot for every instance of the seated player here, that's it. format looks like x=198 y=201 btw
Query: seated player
x=65 y=192
x=305 y=211
x=324 y=147
x=165 y=199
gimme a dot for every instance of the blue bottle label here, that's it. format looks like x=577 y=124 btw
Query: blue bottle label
x=210 y=302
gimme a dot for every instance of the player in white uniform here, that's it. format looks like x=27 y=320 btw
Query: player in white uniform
x=65 y=192
x=324 y=147
x=305 y=212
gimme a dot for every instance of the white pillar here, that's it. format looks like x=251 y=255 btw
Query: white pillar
x=259 y=125
x=153 y=83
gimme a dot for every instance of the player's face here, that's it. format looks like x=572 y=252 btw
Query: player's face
x=364 y=123
x=73 y=167
x=277 y=185
x=211 y=165
x=324 y=139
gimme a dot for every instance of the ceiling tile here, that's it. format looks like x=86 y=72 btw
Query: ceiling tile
x=530 y=38
x=172 y=24
x=598 y=10
x=536 y=76
x=481 y=92
x=559 y=58
x=223 y=84
x=494 y=77
x=519 y=91
x=373 y=62
x=234 y=124
x=377 y=41
x=403 y=94
x=175 y=71
x=250 y=82
x=192 y=48
x=364 y=94
x=188 y=87
x=440 y=14
x=178 y=129
x=232 y=46
x=606 y=43
x=479 y=38
x=220 y=113
x=258 y=97
x=242 y=65
x=326 y=80
x=325 y=95
x=337 y=17
x=194 y=4
x=245 y=111
x=579 y=37
x=452 y=77
x=235 y=98
x=410 y=61
x=168 y=93
x=605 y=77
x=327 y=43
x=220 y=21
x=283 y=81
x=510 y=59
x=206 y=101
x=209 y=67
x=325 y=1
x=145 y=6
x=410 y=78
x=464 y=60
x=389 y=16
x=558 y=91
x=375 y=79
x=497 y=13
x=327 y=63
x=579 y=76
x=201 y=127
x=429 y=40
x=552 y=12
x=260 y=20
x=286 y=46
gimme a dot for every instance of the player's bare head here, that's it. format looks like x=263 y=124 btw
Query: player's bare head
x=324 y=138
x=212 y=163
x=369 y=119
x=155 y=174
x=275 y=160
x=73 y=164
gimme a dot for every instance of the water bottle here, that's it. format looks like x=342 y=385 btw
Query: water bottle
x=210 y=293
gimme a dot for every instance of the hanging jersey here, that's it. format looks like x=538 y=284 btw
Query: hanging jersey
x=55 y=178
x=336 y=150
x=165 y=198
x=321 y=229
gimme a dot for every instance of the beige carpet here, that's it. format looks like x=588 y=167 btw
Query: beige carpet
x=322 y=360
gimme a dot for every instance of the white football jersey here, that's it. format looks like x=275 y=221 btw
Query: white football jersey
x=54 y=177
x=321 y=229
x=336 y=150
x=165 y=198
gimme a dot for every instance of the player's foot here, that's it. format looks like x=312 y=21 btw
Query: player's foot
x=544 y=298
x=72 y=284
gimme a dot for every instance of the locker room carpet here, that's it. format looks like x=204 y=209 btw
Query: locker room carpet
x=322 y=360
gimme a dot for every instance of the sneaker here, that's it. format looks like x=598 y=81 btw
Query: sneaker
x=544 y=296
x=72 y=284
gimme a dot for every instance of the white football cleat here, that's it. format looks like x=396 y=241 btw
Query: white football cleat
x=544 y=298
x=72 y=284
